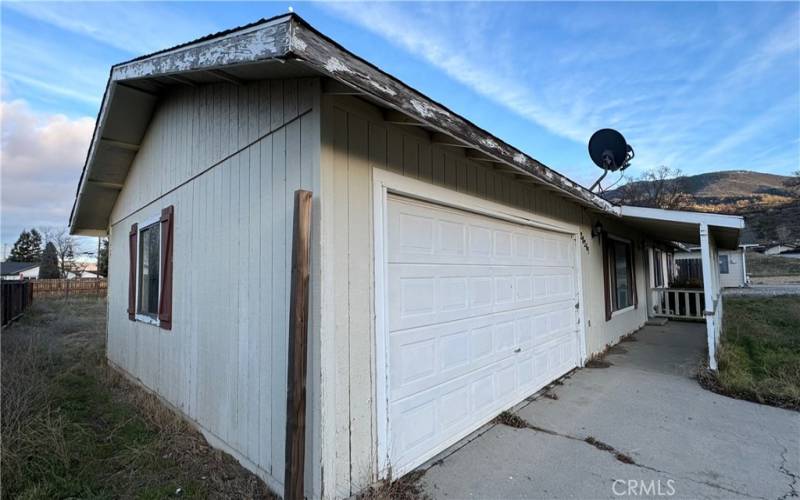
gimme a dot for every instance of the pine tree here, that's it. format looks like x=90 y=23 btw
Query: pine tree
x=49 y=268
x=102 y=260
x=27 y=248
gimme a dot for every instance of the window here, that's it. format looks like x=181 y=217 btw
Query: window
x=723 y=264
x=149 y=267
x=150 y=248
x=620 y=278
x=658 y=269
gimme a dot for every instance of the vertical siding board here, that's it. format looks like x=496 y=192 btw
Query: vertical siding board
x=342 y=308
x=290 y=96
x=359 y=294
x=394 y=150
x=410 y=156
x=377 y=146
x=266 y=392
x=307 y=90
x=279 y=299
x=256 y=332
x=451 y=174
x=437 y=166
x=242 y=258
x=424 y=155
x=276 y=103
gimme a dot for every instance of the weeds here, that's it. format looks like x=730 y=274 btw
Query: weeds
x=759 y=359
x=405 y=488
x=73 y=427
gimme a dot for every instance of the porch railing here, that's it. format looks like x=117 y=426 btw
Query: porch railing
x=678 y=303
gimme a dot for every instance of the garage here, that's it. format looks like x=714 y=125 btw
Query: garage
x=481 y=312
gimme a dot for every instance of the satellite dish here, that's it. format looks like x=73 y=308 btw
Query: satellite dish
x=609 y=151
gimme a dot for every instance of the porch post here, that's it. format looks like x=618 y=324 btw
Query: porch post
x=710 y=289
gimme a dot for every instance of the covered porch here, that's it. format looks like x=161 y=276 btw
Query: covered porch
x=711 y=232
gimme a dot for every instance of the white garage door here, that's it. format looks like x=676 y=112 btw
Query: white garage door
x=481 y=313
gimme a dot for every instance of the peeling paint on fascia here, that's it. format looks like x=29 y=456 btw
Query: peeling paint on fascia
x=299 y=42
x=424 y=109
x=520 y=159
x=380 y=87
x=489 y=143
x=334 y=65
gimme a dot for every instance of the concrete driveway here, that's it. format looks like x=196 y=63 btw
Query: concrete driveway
x=654 y=433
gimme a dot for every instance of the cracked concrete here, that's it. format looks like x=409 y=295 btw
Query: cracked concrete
x=645 y=406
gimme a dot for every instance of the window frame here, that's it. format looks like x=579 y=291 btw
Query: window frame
x=658 y=268
x=610 y=266
x=727 y=259
x=148 y=223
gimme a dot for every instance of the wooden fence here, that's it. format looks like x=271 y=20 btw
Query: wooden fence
x=16 y=297
x=66 y=288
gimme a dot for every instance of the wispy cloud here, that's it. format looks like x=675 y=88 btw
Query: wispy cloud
x=678 y=88
x=133 y=27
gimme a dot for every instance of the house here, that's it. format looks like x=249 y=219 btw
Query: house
x=19 y=270
x=452 y=275
x=732 y=266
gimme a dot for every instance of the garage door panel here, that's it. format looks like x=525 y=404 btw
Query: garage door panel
x=422 y=358
x=427 y=294
x=422 y=235
x=481 y=313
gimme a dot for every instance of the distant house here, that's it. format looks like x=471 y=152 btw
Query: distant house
x=452 y=275
x=19 y=270
x=779 y=249
x=732 y=266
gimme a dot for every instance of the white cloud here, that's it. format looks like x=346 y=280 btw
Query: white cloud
x=41 y=160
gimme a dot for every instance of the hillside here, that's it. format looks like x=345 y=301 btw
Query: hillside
x=769 y=204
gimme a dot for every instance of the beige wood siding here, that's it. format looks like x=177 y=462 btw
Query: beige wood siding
x=355 y=139
x=229 y=158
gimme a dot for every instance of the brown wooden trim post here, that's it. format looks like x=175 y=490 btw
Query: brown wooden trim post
x=298 y=349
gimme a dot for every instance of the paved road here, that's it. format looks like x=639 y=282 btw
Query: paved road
x=762 y=290
x=644 y=409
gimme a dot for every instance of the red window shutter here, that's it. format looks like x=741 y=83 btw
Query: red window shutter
x=606 y=278
x=133 y=246
x=167 y=245
x=633 y=276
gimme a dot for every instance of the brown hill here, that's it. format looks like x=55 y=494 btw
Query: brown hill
x=770 y=203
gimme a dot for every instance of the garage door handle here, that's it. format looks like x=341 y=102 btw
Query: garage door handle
x=518 y=349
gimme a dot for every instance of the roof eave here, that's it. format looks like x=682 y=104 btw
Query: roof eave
x=290 y=37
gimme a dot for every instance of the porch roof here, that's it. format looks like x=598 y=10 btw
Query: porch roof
x=684 y=226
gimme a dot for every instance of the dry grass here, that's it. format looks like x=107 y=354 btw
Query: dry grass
x=405 y=488
x=73 y=427
x=759 y=358
x=759 y=265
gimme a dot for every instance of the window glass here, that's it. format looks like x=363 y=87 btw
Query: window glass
x=723 y=264
x=149 y=262
x=658 y=269
x=621 y=275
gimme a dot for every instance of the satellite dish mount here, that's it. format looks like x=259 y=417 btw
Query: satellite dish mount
x=609 y=151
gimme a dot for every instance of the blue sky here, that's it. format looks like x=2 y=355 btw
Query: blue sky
x=696 y=86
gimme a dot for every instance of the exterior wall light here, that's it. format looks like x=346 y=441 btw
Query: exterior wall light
x=597 y=229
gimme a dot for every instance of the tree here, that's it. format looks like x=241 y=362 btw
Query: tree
x=794 y=180
x=661 y=187
x=65 y=249
x=102 y=260
x=49 y=268
x=27 y=248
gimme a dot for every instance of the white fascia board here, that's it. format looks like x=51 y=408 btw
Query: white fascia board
x=715 y=220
